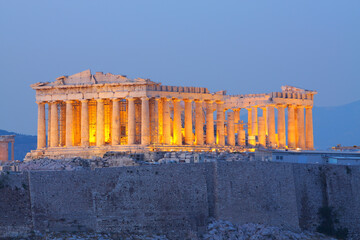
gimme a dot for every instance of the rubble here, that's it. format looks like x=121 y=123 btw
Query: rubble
x=224 y=230
x=120 y=159
x=216 y=230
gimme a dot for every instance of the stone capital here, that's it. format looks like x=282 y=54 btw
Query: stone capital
x=309 y=107
x=100 y=100
x=199 y=100
x=130 y=98
x=188 y=100
x=176 y=99
x=115 y=99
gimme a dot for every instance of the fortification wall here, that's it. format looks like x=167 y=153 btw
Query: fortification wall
x=257 y=192
x=178 y=199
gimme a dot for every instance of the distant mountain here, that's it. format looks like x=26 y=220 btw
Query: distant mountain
x=337 y=125
x=23 y=144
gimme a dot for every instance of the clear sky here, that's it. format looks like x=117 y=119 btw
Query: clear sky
x=239 y=46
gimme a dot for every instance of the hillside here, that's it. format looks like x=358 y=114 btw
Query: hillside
x=337 y=125
x=23 y=144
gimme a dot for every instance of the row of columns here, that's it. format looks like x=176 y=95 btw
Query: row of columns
x=298 y=134
x=299 y=131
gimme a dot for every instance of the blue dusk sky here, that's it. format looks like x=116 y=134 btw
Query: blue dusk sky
x=238 y=46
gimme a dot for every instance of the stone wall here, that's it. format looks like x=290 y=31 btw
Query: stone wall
x=178 y=199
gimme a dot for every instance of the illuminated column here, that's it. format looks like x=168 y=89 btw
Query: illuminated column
x=264 y=114
x=12 y=150
x=41 y=129
x=177 y=122
x=85 y=123
x=209 y=122
x=254 y=123
x=199 y=123
x=231 y=129
x=309 y=129
x=249 y=121
x=220 y=128
x=131 y=120
x=291 y=127
x=69 y=124
x=49 y=125
x=262 y=131
x=281 y=126
x=166 y=121
x=301 y=127
x=271 y=125
x=236 y=118
x=115 y=122
x=188 y=122
x=241 y=135
x=54 y=125
x=100 y=140
x=155 y=121
x=160 y=120
x=145 y=121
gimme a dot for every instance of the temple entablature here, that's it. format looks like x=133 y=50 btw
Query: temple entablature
x=112 y=112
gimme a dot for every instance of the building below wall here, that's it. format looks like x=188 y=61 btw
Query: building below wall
x=317 y=157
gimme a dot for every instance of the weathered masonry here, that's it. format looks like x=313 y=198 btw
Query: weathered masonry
x=4 y=147
x=104 y=112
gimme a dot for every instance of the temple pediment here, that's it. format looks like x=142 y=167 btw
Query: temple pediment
x=86 y=78
x=293 y=89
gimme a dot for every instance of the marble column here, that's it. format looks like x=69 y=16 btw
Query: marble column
x=199 y=123
x=115 y=122
x=12 y=150
x=262 y=132
x=236 y=118
x=69 y=124
x=291 y=127
x=301 y=127
x=309 y=129
x=254 y=123
x=220 y=128
x=145 y=121
x=154 y=126
x=54 y=125
x=131 y=120
x=177 y=122
x=281 y=126
x=85 y=123
x=188 y=122
x=241 y=135
x=48 y=143
x=41 y=128
x=271 y=125
x=160 y=120
x=264 y=114
x=166 y=121
x=231 y=129
x=249 y=127
x=100 y=117
x=209 y=122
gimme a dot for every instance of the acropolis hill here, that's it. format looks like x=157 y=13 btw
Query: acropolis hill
x=90 y=114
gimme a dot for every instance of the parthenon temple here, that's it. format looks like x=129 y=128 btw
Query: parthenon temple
x=89 y=114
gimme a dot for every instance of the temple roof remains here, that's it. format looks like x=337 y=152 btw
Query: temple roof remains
x=86 y=78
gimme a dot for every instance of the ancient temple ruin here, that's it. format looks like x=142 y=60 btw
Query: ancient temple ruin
x=90 y=114
x=4 y=147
